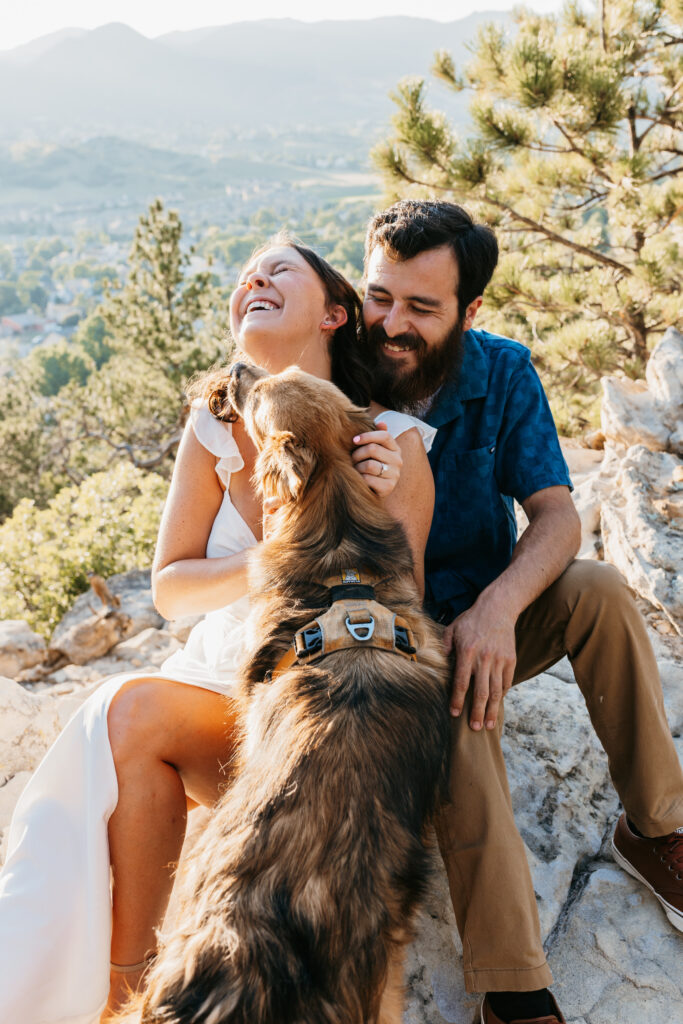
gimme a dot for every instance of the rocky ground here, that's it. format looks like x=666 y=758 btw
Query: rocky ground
x=614 y=955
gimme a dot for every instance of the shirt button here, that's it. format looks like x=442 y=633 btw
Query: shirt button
x=492 y=449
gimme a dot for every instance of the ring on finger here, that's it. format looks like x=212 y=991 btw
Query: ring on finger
x=383 y=466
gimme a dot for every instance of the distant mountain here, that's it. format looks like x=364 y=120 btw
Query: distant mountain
x=250 y=76
x=29 y=51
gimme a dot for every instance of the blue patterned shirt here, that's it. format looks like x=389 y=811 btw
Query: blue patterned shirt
x=496 y=440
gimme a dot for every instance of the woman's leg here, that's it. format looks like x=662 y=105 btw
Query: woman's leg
x=169 y=741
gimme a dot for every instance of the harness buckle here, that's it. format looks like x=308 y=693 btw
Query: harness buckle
x=309 y=641
x=361 y=630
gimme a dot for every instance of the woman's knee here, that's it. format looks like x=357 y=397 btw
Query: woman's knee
x=133 y=719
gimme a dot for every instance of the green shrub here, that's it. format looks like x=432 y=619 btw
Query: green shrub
x=108 y=524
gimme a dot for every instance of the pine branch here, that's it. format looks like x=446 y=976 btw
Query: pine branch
x=560 y=239
x=581 y=152
x=666 y=174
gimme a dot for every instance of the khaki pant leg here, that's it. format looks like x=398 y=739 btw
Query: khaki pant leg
x=488 y=873
x=589 y=614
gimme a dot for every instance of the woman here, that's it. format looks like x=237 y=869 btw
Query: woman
x=115 y=787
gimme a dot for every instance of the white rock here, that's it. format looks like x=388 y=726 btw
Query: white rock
x=561 y=792
x=581 y=462
x=181 y=628
x=588 y=497
x=642 y=531
x=618 y=959
x=629 y=415
x=135 y=594
x=29 y=725
x=20 y=647
x=664 y=374
x=90 y=637
x=150 y=647
x=676 y=441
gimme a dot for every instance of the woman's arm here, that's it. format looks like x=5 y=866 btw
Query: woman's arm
x=184 y=580
x=412 y=500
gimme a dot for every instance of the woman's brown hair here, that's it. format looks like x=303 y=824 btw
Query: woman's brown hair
x=351 y=360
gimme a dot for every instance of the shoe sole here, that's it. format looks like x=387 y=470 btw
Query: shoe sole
x=675 y=916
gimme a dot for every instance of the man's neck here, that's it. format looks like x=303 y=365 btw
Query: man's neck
x=423 y=407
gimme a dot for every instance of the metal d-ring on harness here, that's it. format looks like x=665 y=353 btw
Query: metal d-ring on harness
x=354 y=619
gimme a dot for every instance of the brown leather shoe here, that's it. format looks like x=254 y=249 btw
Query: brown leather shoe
x=657 y=863
x=489 y=1017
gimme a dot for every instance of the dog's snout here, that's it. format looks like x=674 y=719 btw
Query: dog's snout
x=236 y=369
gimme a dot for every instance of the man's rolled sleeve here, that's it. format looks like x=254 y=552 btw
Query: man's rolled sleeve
x=528 y=453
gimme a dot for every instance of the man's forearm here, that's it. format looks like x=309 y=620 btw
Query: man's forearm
x=541 y=555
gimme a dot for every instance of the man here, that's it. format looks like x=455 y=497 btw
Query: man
x=512 y=608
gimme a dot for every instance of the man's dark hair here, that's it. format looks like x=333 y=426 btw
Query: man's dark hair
x=412 y=226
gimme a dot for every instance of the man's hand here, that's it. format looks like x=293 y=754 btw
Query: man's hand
x=483 y=641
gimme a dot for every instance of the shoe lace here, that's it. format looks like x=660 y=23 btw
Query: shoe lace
x=673 y=851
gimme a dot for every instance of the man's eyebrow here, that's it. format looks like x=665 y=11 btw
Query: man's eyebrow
x=423 y=300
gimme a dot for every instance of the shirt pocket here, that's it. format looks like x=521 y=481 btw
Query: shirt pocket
x=467 y=495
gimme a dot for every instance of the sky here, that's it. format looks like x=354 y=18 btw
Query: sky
x=27 y=19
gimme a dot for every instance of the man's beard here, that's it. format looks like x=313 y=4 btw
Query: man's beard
x=405 y=390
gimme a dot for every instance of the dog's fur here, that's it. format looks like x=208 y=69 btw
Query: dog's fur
x=298 y=898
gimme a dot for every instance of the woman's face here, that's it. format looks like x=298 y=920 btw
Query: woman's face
x=278 y=312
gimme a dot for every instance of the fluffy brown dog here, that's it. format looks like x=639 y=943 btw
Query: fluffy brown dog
x=299 y=897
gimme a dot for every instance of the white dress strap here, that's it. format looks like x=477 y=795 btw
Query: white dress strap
x=398 y=422
x=216 y=436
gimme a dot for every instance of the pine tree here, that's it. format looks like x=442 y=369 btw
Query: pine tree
x=130 y=361
x=162 y=326
x=575 y=159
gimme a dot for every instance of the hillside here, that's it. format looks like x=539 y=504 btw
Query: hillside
x=247 y=76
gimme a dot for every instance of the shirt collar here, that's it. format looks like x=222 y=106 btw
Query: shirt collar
x=470 y=382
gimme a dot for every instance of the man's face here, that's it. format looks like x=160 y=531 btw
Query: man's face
x=411 y=313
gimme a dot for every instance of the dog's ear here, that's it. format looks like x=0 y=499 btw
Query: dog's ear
x=284 y=466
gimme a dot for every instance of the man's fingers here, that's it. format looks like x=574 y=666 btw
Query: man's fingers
x=508 y=675
x=495 y=697
x=480 y=696
x=461 y=682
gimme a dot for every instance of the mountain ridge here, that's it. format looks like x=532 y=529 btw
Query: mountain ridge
x=276 y=73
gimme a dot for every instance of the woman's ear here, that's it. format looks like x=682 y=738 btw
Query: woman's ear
x=336 y=316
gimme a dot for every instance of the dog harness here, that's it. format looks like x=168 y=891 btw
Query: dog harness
x=355 y=619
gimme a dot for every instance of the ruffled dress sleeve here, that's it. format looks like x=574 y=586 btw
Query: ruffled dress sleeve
x=216 y=436
x=398 y=422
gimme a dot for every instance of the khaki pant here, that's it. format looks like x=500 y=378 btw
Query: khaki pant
x=588 y=614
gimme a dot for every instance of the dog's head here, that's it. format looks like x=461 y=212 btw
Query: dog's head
x=298 y=423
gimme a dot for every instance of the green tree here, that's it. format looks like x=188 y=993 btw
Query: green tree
x=127 y=365
x=108 y=524
x=54 y=367
x=6 y=262
x=161 y=327
x=575 y=159
x=9 y=299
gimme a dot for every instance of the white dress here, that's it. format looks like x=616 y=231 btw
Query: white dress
x=55 y=896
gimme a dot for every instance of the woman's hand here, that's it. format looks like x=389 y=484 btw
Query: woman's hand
x=378 y=459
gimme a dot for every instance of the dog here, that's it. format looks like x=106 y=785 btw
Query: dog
x=297 y=901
